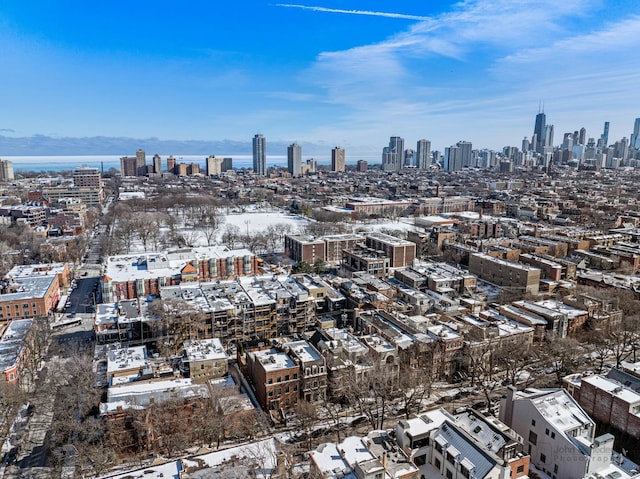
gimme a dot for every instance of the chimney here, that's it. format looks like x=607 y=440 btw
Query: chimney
x=384 y=459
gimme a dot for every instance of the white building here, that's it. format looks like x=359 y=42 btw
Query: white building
x=558 y=435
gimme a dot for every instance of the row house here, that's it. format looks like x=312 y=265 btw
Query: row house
x=562 y=319
x=127 y=276
x=462 y=446
x=346 y=357
x=375 y=456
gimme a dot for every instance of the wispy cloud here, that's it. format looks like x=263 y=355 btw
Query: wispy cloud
x=476 y=67
x=7 y=130
x=401 y=16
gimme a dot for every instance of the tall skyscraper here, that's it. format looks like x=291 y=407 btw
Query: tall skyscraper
x=635 y=136
x=526 y=145
x=582 y=136
x=171 y=164
x=213 y=165
x=294 y=159
x=157 y=164
x=538 y=131
x=338 y=159
x=141 y=163
x=605 y=134
x=129 y=166
x=260 y=155
x=393 y=155
x=6 y=170
x=465 y=151
x=423 y=154
x=452 y=159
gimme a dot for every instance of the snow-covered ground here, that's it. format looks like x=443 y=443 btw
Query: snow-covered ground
x=251 y=222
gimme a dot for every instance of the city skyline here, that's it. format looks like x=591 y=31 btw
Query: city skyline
x=439 y=70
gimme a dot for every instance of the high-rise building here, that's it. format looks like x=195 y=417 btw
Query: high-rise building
x=582 y=136
x=526 y=145
x=538 y=131
x=605 y=134
x=466 y=155
x=6 y=170
x=260 y=155
x=393 y=155
x=409 y=158
x=452 y=159
x=213 y=165
x=423 y=154
x=128 y=166
x=338 y=159
x=567 y=141
x=362 y=165
x=157 y=164
x=547 y=145
x=635 y=136
x=171 y=164
x=294 y=159
x=87 y=177
x=141 y=163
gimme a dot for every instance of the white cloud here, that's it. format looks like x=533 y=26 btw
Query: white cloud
x=355 y=12
x=482 y=65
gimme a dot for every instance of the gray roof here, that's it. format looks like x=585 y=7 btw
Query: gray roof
x=481 y=461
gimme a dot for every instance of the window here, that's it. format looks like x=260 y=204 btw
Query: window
x=286 y=378
x=543 y=458
x=436 y=463
x=555 y=469
x=546 y=431
x=464 y=472
x=449 y=474
x=450 y=458
x=553 y=435
x=520 y=469
x=533 y=422
x=279 y=379
x=533 y=438
x=270 y=381
x=295 y=387
x=279 y=391
x=439 y=447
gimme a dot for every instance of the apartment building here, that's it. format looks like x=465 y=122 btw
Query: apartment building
x=525 y=279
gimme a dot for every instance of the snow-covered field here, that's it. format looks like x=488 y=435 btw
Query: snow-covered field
x=251 y=222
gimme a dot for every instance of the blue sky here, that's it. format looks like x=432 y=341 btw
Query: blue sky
x=350 y=73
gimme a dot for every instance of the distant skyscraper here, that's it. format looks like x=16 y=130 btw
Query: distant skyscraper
x=362 y=165
x=260 y=155
x=567 y=142
x=582 y=136
x=338 y=159
x=526 y=146
x=157 y=164
x=171 y=164
x=538 y=131
x=6 y=170
x=393 y=155
x=141 y=163
x=547 y=145
x=635 y=136
x=129 y=166
x=452 y=159
x=213 y=165
x=294 y=159
x=465 y=151
x=423 y=154
x=409 y=158
x=605 y=134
